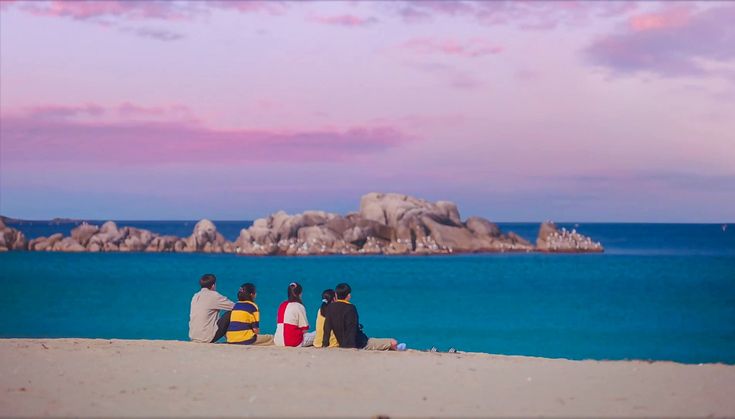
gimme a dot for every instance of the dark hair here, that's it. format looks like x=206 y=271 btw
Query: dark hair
x=294 y=292
x=207 y=281
x=246 y=292
x=327 y=297
x=343 y=290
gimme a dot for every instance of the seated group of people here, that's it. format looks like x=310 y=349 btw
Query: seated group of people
x=337 y=322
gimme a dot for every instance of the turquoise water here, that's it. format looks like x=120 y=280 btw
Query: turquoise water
x=663 y=292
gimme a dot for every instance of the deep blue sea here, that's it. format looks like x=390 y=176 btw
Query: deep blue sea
x=659 y=292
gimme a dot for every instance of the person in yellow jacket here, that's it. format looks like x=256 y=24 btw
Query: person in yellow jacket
x=328 y=297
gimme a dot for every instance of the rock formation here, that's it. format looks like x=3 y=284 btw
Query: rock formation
x=10 y=238
x=391 y=224
x=386 y=224
x=551 y=239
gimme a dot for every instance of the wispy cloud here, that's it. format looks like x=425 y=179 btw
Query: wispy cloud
x=449 y=74
x=125 y=10
x=524 y=14
x=119 y=9
x=347 y=20
x=676 y=41
x=157 y=34
x=469 y=48
x=122 y=14
x=133 y=135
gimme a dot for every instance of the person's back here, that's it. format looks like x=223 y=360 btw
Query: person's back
x=342 y=319
x=328 y=297
x=204 y=323
x=244 y=319
x=291 y=321
x=244 y=327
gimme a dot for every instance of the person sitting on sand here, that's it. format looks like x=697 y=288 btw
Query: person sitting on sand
x=204 y=325
x=328 y=297
x=291 y=320
x=244 y=328
x=342 y=319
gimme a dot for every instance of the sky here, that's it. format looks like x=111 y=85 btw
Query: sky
x=516 y=111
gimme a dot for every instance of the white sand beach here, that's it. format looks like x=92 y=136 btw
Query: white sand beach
x=84 y=377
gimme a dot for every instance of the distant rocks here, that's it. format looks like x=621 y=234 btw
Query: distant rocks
x=386 y=223
x=111 y=238
x=551 y=239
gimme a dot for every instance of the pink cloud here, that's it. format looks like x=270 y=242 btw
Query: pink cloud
x=84 y=10
x=250 y=6
x=344 y=20
x=114 y=13
x=470 y=48
x=140 y=10
x=672 y=42
x=82 y=135
x=668 y=18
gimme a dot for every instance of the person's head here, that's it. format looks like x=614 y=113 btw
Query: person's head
x=246 y=292
x=294 y=292
x=344 y=292
x=208 y=281
x=327 y=297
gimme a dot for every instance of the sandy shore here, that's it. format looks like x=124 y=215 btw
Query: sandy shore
x=82 y=377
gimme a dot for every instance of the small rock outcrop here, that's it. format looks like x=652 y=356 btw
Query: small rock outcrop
x=551 y=239
x=11 y=239
x=45 y=243
x=206 y=238
x=111 y=238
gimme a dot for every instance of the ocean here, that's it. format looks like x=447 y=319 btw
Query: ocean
x=659 y=292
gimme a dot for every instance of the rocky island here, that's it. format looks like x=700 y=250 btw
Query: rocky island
x=386 y=223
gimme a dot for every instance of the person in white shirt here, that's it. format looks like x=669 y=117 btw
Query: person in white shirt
x=205 y=325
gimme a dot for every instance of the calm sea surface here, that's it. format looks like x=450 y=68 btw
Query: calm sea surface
x=661 y=291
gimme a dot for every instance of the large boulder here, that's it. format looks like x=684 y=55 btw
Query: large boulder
x=206 y=238
x=68 y=244
x=162 y=244
x=426 y=227
x=109 y=228
x=552 y=239
x=454 y=239
x=482 y=227
x=83 y=232
x=108 y=238
x=130 y=239
x=11 y=238
x=45 y=243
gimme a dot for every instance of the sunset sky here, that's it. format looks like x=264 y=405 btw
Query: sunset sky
x=518 y=111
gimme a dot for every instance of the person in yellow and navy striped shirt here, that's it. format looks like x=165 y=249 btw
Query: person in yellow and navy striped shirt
x=244 y=328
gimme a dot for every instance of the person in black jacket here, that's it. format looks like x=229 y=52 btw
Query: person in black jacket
x=342 y=319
